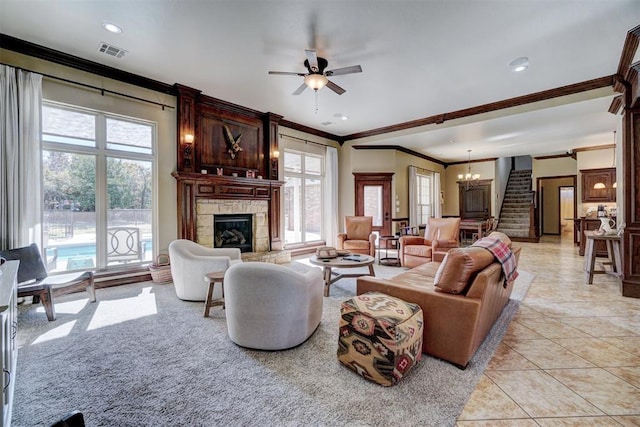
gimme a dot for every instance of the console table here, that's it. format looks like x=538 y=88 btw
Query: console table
x=8 y=330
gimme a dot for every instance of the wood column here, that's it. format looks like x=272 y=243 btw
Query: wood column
x=627 y=83
x=186 y=126
x=631 y=172
x=271 y=123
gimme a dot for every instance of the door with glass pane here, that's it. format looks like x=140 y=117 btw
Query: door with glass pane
x=373 y=198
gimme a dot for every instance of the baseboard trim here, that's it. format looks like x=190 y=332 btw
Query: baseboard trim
x=630 y=289
x=525 y=239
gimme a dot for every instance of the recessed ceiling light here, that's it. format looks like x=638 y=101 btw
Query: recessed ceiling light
x=341 y=116
x=112 y=28
x=519 y=64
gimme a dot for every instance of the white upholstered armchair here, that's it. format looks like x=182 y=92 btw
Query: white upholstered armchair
x=191 y=261
x=271 y=307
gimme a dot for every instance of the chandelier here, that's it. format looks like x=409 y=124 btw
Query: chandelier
x=468 y=178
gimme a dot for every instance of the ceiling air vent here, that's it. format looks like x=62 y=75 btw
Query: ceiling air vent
x=111 y=50
x=326 y=123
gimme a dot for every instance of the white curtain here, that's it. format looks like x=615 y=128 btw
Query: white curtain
x=414 y=214
x=20 y=158
x=331 y=196
x=437 y=200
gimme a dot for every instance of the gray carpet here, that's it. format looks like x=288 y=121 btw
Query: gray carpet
x=141 y=357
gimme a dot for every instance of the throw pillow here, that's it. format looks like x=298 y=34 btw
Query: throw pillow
x=458 y=266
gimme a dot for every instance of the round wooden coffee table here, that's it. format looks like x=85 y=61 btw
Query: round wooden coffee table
x=347 y=261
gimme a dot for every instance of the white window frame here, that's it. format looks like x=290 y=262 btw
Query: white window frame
x=303 y=176
x=425 y=210
x=101 y=153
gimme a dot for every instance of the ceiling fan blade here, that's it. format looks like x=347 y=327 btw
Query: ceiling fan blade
x=301 y=89
x=334 y=87
x=345 y=70
x=313 y=60
x=287 y=73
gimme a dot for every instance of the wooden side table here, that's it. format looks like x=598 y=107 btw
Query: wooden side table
x=213 y=278
x=613 y=251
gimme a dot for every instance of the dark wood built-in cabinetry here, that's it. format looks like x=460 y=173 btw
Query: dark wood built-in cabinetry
x=225 y=151
x=591 y=177
x=475 y=199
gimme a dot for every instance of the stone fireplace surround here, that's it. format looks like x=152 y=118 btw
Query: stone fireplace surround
x=200 y=196
x=207 y=209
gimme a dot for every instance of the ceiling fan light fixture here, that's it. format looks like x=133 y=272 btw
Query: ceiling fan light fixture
x=519 y=64
x=315 y=81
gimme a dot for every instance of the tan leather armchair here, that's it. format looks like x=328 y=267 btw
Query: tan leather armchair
x=440 y=235
x=358 y=236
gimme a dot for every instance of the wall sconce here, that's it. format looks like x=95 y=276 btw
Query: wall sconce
x=187 y=151
x=275 y=154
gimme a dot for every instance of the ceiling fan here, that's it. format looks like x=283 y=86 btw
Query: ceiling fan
x=316 y=78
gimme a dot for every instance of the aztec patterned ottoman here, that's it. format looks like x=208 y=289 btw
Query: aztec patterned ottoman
x=380 y=337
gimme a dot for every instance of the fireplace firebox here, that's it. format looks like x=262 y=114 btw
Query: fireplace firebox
x=233 y=231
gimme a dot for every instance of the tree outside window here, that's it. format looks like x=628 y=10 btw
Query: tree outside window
x=98 y=176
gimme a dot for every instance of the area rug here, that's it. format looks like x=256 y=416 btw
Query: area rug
x=141 y=357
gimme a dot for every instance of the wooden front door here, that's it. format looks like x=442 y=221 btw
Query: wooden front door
x=373 y=198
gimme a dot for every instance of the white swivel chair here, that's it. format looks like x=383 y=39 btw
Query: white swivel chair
x=271 y=307
x=191 y=261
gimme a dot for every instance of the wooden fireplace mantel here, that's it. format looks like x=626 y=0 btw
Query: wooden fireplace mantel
x=194 y=186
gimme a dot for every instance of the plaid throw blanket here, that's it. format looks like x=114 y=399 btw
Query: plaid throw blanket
x=504 y=256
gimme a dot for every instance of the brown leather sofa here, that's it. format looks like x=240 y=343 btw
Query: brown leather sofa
x=456 y=320
x=358 y=236
x=440 y=235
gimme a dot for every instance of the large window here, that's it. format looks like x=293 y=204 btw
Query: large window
x=98 y=188
x=425 y=197
x=303 y=174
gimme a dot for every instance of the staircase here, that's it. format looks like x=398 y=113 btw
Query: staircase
x=516 y=213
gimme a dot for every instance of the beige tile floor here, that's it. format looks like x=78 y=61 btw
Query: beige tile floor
x=571 y=356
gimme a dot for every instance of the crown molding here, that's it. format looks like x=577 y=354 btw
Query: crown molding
x=62 y=58
x=402 y=149
x=487 y=108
